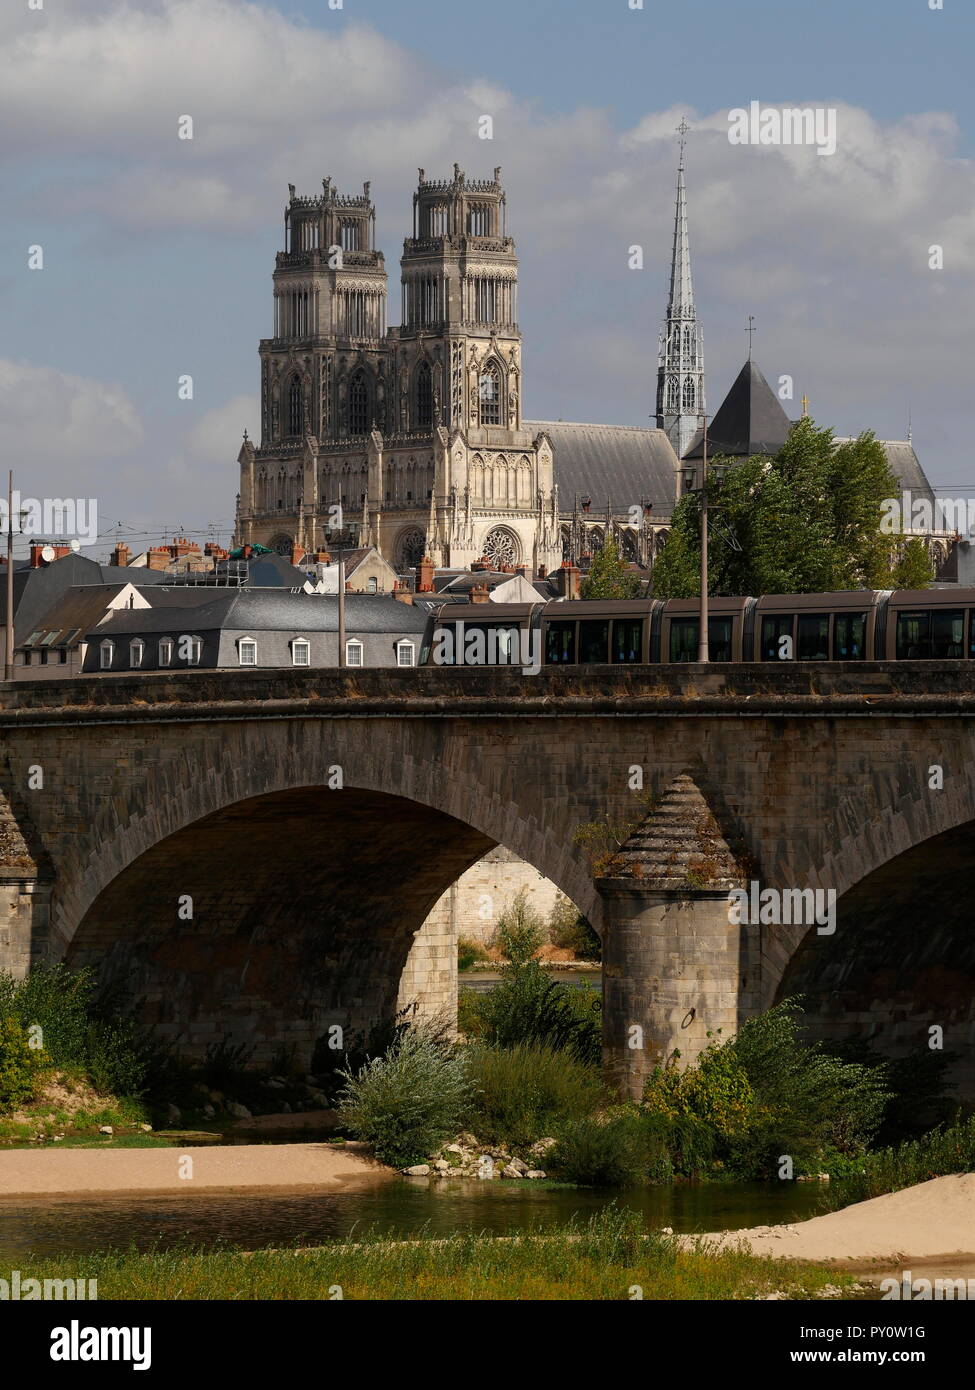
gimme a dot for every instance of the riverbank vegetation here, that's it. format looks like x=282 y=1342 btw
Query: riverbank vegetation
x=521 y=933
x=606 y=1258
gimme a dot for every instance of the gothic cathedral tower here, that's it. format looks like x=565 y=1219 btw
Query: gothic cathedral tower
x=680 y=371
x=410 y=439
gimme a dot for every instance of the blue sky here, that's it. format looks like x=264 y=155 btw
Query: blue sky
x=158 y=253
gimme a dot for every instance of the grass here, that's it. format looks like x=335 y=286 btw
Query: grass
x=605 y=1259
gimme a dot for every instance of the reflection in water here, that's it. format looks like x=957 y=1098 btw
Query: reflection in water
x=399 y=1208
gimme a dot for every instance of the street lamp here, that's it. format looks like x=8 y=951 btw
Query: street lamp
x=688 y=475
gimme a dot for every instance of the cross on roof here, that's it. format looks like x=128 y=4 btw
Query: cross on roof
x=750 y=330
x=682 y=130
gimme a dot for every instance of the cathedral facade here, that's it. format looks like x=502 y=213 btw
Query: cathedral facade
x=408 y=438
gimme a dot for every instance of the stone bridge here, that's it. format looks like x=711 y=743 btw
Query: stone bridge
x=253 y=853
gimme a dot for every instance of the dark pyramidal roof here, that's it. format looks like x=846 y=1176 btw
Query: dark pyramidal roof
x=749 y=421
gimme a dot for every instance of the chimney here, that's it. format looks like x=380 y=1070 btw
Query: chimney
x=567 y=580
x=523 y=571
x=323 y=557
x=297 y=554
x=120 y=555
x=158 y=557
x=479 y=593
x=61 y=550
x=542 y=571
x=482 y=564
x=35 y=555
x=402 y=593
x=424 y=576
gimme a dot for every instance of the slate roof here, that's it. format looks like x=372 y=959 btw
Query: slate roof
x=271 y=610
x=750 y=419
x=619 y=464
x=37 y=589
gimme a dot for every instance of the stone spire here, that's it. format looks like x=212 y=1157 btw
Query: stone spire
x=680 y=370
x=678 y=847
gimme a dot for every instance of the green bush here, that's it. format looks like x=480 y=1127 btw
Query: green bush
x=935 y=1155
x=85 y=1028
x=20 y=1065
x=471 y=1014
x=570 y=931
x=407 y=1102
x=469 y=952
x=525 y=1092
x=616 y=1151
x=527 y=1006
x=519 y=932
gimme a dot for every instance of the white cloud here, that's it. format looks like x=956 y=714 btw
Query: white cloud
x=57 y=420
x=211 y=440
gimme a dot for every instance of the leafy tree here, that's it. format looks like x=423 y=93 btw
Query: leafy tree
x=805 y=521
x=608 y=575
x=913 y=568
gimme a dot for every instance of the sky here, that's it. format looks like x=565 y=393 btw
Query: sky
x=158 y=252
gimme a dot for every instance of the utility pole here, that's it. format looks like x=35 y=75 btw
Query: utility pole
x=341 y=582
x=8 y=662
x=702 y=642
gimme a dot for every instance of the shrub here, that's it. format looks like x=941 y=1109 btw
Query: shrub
x=471 y=1014
x=935 y=1155
x=19 y=1064
x=519 y=932
x=569 y=930
x=615 y=1152
x=716 y=1091
x=526 y=1092
x=527 y=1006
x=61 y=1002
x=469 y=951
x=407 y=1102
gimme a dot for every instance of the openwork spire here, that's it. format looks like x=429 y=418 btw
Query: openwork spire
x=680 y=372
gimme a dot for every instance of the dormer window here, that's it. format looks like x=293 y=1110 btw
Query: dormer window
x=136 y=652
x=106 y=653
x=247 y=651
x=405 y=653
x=165 y=651
x=353 y=652
x=300 y=652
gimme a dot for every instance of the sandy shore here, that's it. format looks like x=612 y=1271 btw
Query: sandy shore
x=260 y=1167
x=932 y=1221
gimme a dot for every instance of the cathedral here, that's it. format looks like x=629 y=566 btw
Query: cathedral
x=413 y=438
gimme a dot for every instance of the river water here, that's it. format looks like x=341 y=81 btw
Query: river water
x=399 y=1207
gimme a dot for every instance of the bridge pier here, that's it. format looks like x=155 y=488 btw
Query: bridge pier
x=672 y=963
x=25 y=897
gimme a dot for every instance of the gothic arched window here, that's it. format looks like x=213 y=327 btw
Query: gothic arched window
x=295 y=411
x=489 y=391
x=673 y=394
x=424 y=397
x=690 y=394
x=358 y=403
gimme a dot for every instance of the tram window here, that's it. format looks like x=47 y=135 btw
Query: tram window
x=719 y=639
x=627 y=639
x=775 y=626
x=947 y=633
x=930 y=633
x=849 y=636
x=813 y=644
x=594 y=641
x=560 y=644
x=488 y=645
x=683 y=638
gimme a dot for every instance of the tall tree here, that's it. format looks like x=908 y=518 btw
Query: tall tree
x=609 y=576
x=802 y=522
